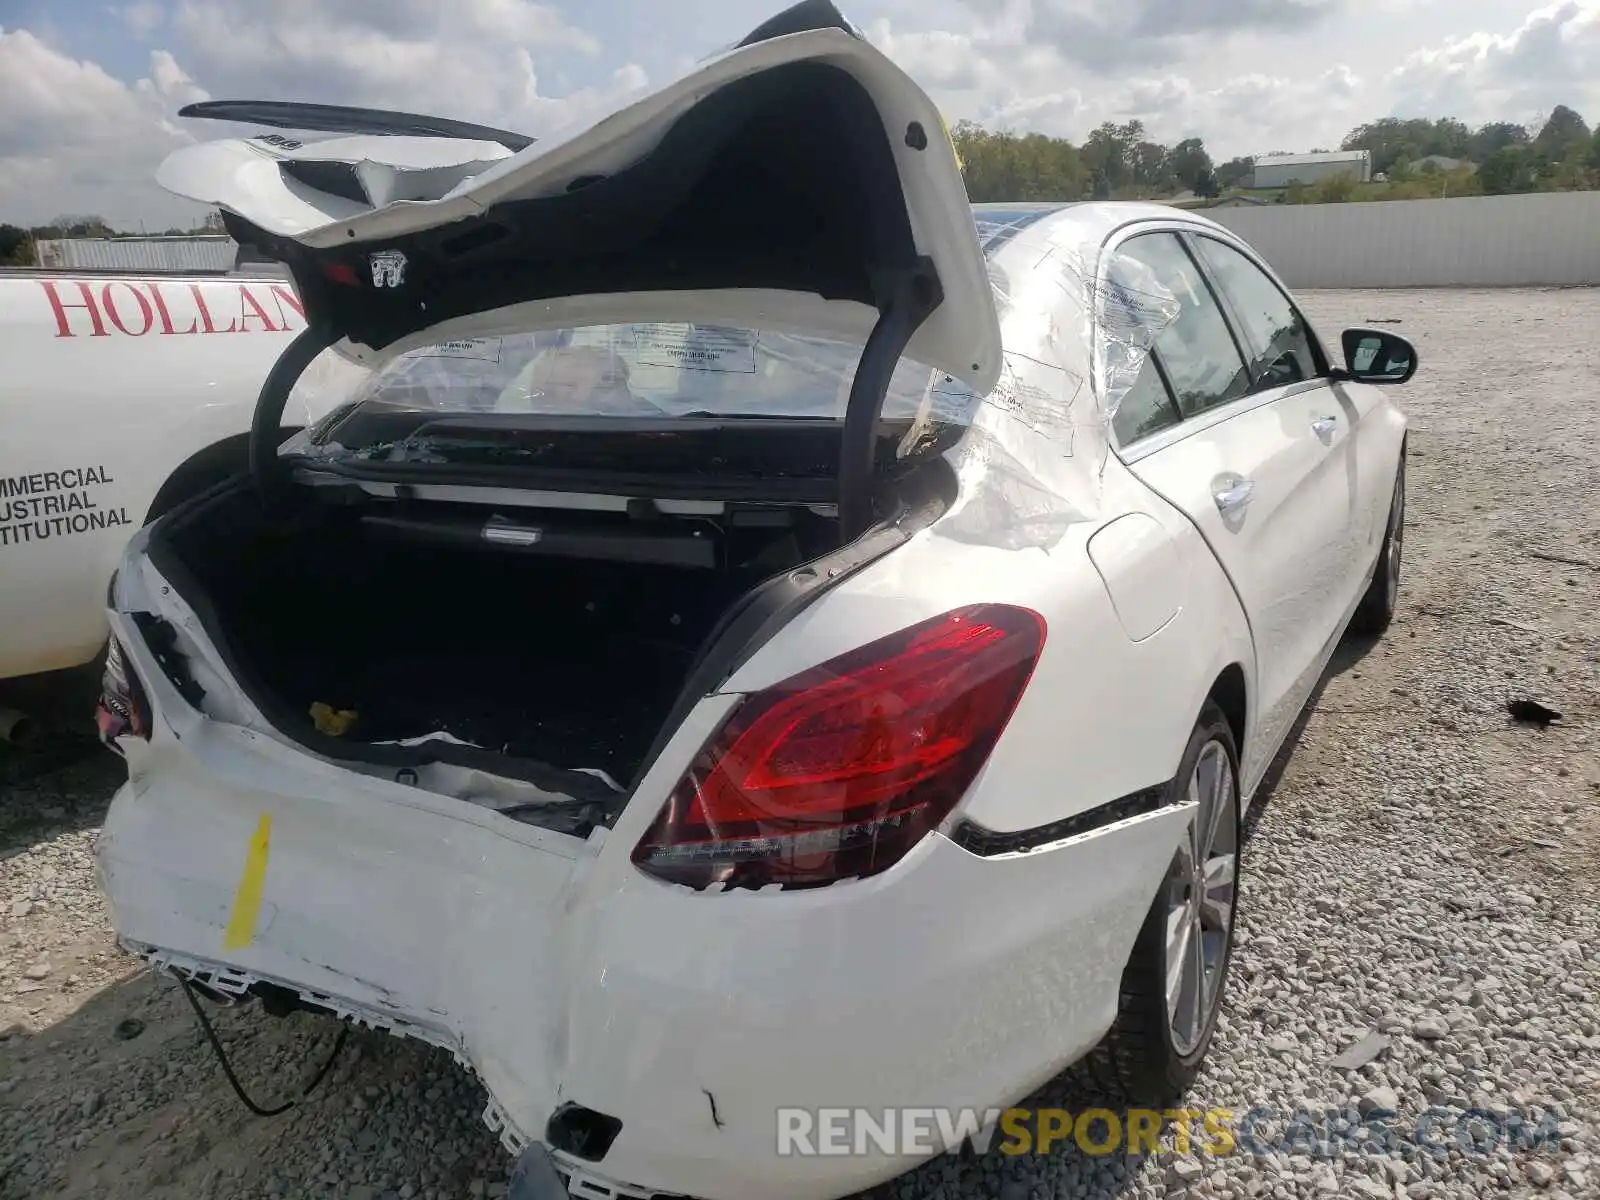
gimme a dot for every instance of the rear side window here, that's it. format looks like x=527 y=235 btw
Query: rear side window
x=1280 y=342
x=1146 y=409
x=1197 y=350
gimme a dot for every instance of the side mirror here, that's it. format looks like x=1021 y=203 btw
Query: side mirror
x=1373 y=356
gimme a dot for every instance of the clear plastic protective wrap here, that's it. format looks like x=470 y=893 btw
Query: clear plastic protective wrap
x=1133 y=308
x=651 y=369
x=329 y=380
x=1077 y=326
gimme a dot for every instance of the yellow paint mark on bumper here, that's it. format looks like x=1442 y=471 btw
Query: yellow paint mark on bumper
x=241 y=930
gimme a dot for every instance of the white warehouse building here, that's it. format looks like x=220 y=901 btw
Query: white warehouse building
x=1283 y=169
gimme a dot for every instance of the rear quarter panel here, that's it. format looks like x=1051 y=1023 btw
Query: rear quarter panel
x=1103 y=715
x=109 y=383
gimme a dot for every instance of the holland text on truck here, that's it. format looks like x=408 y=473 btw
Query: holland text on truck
x=135 y=308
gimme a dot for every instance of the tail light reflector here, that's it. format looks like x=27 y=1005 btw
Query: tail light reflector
x=122 y=708
x=838 y=771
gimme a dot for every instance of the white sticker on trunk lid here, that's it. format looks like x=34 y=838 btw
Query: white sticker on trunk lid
x=480 y=349
x=695 y=348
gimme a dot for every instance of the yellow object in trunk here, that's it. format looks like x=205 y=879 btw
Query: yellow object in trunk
x=335 y=722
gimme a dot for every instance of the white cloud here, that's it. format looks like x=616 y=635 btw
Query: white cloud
x=1248 y=76
x=1552 y=57
x=74 y=139
x=142 y=19
x=1250 y=87
x=171 y=82
x=1109 y=36
x=469 y=60
x=1028 y=87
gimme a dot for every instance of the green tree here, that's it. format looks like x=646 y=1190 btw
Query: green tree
x=1150 y=168
x=1108 y=154
x=1391 y=140
x=1450 y=138
x=1505 y=171
x=1395 y=140
x=1335 y=189
x=1189 y=163
x=1561 y=130
x=1570 y=173
x=1236 y=172
x=1121 y=161
x=81 y=225
x=16 y=246
x=1496 y=135
x=1463 y=181
x=1003 y=166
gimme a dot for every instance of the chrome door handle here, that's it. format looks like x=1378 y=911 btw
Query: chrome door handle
x=1235 y=495
x=1323 y=426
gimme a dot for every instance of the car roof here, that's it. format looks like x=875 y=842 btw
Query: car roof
x=1088 y=222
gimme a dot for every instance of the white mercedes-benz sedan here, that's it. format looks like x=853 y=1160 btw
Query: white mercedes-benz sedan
x=759 y=638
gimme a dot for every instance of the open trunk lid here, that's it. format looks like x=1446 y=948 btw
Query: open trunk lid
x=798 y=182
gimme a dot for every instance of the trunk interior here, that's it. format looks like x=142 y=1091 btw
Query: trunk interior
x=560 y=638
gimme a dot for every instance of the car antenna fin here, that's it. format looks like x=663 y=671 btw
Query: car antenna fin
x=340 y=118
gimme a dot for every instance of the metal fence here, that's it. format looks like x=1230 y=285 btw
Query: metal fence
x=1538 y=239
x=140 y=255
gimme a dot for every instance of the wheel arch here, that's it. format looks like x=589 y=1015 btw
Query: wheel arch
x=204 y=469
x=1231 y=693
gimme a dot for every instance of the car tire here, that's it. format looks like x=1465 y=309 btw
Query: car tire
x=1377 y=607
x=1155 y=1047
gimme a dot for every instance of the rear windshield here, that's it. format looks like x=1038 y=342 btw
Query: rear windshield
x=651 y=370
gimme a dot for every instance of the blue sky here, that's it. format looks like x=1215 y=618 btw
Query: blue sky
x=89 y=29
x=89 y=88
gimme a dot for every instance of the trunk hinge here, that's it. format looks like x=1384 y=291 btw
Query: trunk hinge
x=266 y=426
x=907 y=296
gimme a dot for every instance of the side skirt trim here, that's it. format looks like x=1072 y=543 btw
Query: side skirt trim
x=985 y=843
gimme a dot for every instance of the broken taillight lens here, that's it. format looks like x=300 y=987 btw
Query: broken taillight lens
x=122 y=708
x=838 y=771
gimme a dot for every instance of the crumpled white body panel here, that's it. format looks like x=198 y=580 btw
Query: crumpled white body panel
x=556 y=972
x=960 y=336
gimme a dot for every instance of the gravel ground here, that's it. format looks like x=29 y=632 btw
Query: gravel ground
x=1423 y=869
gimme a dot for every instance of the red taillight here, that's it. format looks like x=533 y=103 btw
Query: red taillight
x=122 y=708
x=840 y=770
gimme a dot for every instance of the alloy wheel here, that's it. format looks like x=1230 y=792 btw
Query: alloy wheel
x=1397 y=533
x=1202 y=885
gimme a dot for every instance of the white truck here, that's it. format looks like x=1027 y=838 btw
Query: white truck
x=120 y=395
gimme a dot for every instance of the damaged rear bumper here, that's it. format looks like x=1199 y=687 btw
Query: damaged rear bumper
x=560 y=976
